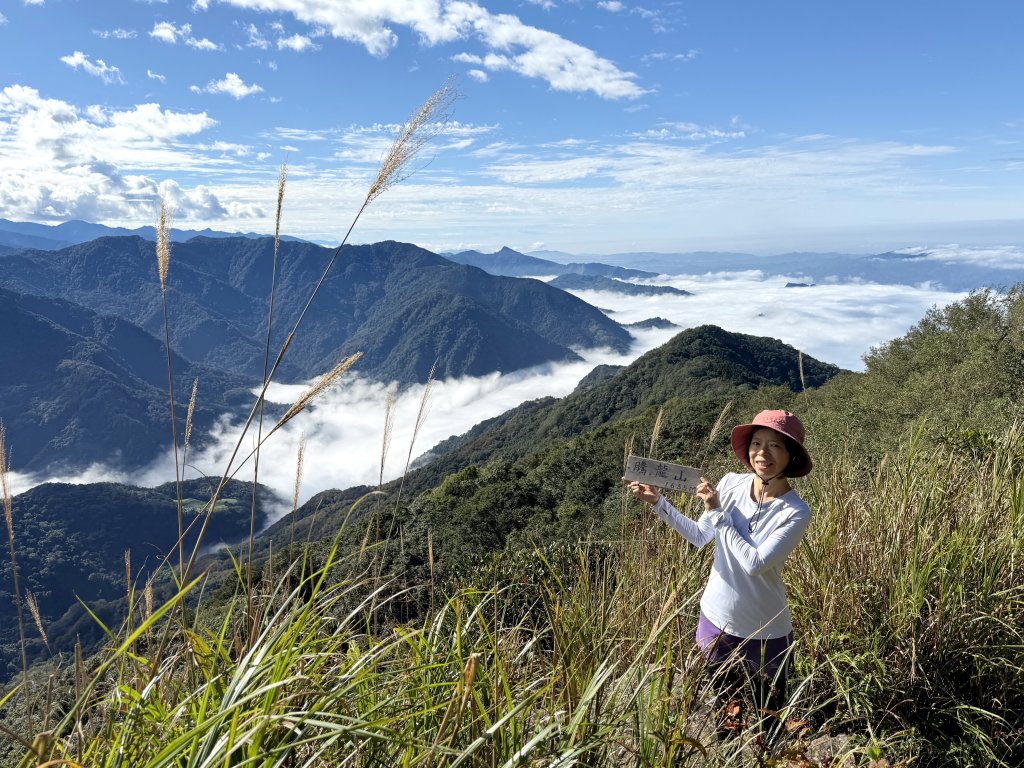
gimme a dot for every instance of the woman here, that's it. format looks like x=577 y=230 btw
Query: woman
x=756 y=519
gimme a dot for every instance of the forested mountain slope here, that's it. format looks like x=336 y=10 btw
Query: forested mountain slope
x=403 y=307
x=78 y=387
x=694 y=375
x=74 y=542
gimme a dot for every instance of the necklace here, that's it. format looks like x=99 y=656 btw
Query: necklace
x=757 y=512
x=760 y=503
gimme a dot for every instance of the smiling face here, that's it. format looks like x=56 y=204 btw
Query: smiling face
x=768 y=454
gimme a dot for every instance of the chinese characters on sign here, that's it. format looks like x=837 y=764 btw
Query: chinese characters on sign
x=663 y=474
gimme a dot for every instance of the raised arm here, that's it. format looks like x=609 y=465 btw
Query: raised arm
x=697 y=532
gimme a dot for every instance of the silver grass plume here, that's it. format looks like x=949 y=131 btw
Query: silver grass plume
x=5 y=482
x=717 y=427
x=428 y=121
x=163 y=244
x=188 y=415
x=389 y=423
x=282 y=178
x=656 y=432
x=324 y=383
x=33 y=608
x=298 y=471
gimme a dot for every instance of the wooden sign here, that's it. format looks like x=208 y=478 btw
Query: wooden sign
x=663 y=474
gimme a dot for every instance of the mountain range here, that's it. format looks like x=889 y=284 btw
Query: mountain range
x=512 y=263
x=600 y=283
x=405 y=308
x=87 y=378
x=27 y=234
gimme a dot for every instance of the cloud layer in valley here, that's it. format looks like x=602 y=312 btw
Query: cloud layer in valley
x=836 y=323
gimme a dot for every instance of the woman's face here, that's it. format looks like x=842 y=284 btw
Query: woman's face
x=767 y=453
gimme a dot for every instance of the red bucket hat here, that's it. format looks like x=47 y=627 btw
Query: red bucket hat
x=784 y=423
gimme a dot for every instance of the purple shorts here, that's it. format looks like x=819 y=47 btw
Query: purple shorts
x=770 y=658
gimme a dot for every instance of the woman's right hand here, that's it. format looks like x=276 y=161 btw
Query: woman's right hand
x=707 y=493
x=642 y=491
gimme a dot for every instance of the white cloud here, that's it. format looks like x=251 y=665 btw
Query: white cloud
x=3 y=19
x=611 y=5
x=231 y=84
x=34 y=2
x=1009 y=257
x=202 y=44
x=302 y=134
x=116 y=34
x=155 y=76
x=200 y=203
x=467 y=58
x=478 y=74
x=834 y=322
x=515 y=46
x=169 y=32
x=227 y=147
x=200 y=5
x=296 y=42
x=689 y=55
x=256 y=39
x=98 y=68
x=58 y=161
x=689 y=131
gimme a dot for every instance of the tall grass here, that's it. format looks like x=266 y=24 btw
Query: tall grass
x=907 y=598
x=910 y=595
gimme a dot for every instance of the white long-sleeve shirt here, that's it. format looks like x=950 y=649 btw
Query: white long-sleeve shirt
x=745 y=594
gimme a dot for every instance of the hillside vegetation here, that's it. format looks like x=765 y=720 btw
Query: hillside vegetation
x=88 y=544
x=525 y=612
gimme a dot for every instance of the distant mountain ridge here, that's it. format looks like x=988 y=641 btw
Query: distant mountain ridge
x=599 y=283
x=511 y=263
x=408 y=310
x=47 y=237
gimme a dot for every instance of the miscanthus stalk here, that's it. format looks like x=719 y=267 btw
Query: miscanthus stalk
x=163 y=262
x=427 y=122
x=188 y=421
x=8 y=501
x=282 y=179
x=299 y=465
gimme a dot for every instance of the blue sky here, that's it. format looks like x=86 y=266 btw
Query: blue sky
x=583 y=126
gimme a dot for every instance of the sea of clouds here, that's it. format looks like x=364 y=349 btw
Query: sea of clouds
x=836 y=322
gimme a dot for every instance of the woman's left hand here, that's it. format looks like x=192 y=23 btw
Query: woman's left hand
x=707 y=493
